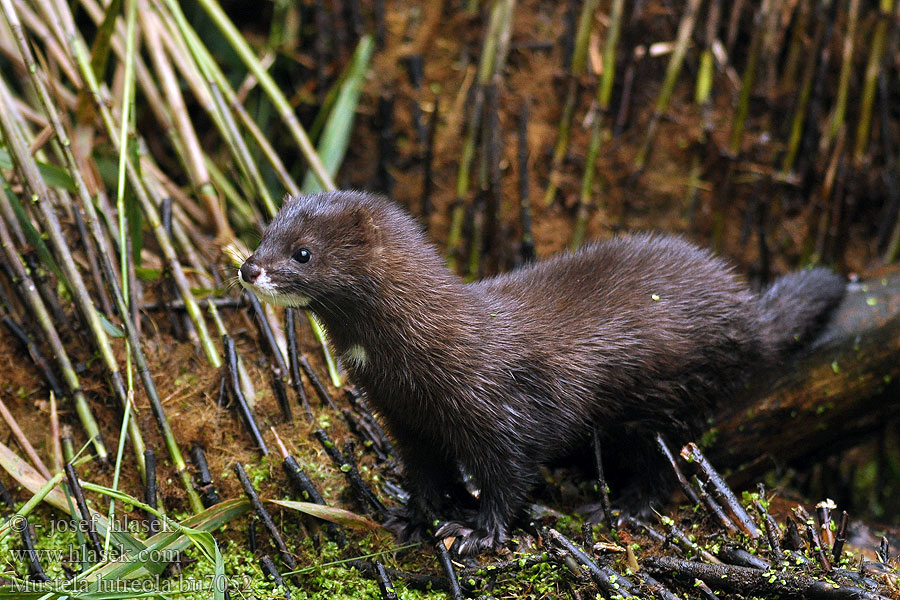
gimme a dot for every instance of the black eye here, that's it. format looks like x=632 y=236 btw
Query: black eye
x=302 y=255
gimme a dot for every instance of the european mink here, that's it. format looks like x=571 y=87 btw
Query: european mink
x=634 y=335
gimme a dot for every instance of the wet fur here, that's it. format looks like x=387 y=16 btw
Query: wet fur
x=638 y=334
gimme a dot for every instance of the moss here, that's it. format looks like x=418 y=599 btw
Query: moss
x=543 y=580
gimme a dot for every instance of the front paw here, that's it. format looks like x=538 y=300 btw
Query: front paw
x=471 y=541
x=406 y=524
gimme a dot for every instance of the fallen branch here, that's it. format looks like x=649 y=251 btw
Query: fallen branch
x=754 y=582
x=827 y=397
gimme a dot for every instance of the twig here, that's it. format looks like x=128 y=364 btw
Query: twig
x=792 y=535
x=209 y=495
x=86 y=516
x=234 y=388
x=823 y=519
x=371 y=426
x=689 y=492
x=738 y=556
x=323 y=394
x=418 y=581
x=428 y=162
x=34 y=353
x=264 y=516
x=360 y=430
x=714 y=506
x=271 y=571
x=884 y=552
x=35 y=571
x=526 y=248
x=204 y=303
x=838 y=548
x=444 y=558
x=658 y=589
x=56 y=455
x=770 y=526
x=280 y=392
x=307 y=490
x=685 y=543
x=723 y=493
x=812 y=536
x=607 y=580
x=347 y=466
x=23 y=442
x=705 y=591
x=602 y=486
x=685 y=28
x=384 y=583
x=150 y=489
x=293 y=353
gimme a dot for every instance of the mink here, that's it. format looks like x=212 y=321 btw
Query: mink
x=636 y=335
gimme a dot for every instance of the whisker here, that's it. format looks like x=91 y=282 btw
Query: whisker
x=236 y=252
x=231 y=283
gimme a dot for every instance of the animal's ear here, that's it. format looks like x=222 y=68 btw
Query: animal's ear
x=363 y=228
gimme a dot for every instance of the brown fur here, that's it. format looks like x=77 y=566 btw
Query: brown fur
x=638 y=334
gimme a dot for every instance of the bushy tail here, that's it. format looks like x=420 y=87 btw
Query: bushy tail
x=796 y=306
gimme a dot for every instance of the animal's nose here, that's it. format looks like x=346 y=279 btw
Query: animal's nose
x=249 y=271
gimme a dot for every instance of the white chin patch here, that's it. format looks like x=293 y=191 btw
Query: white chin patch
x=356 y=356
x=288 y=300
x=265 y=290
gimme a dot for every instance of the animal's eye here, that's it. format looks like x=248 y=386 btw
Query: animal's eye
x=302 y=255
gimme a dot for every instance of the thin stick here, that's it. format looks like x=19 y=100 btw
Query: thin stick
x=323 y=394
x=692 y=453
x=576 y=71
x=689 y=492
x=613 y=586
x=840 y=104
x=86 y=515
x=838 y=549
x=526 y=247
x=428 y=162
x=873 y=68
x=23 y=442
x=345 y=462
x=748 y=82
x=150 y=489
x=56 y=448
x=264 y=516
x=749 y=581
x=230 y=32
x=444 y=558
x=271 y=571
x=293 y=353
x=602 y=486
x=40 y=314
x=234 y=388
x=493 y=57
x=384 y=583
x=34 y=353
x=685 y=29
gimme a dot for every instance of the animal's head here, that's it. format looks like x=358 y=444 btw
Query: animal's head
x=317 y=251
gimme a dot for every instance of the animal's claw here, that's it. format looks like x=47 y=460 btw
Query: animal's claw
x=471 y=541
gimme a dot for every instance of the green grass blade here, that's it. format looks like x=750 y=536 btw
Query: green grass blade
x=52 y=175
x=31 y=234
x=339 y=127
